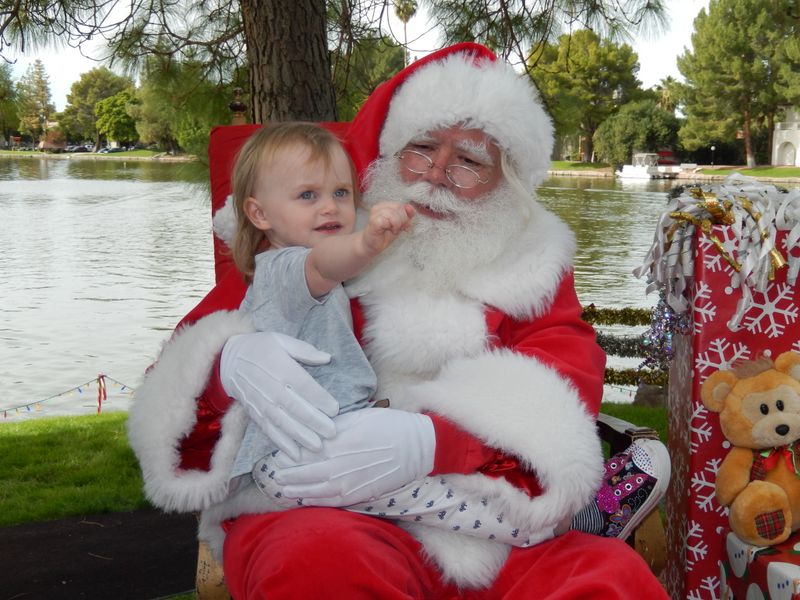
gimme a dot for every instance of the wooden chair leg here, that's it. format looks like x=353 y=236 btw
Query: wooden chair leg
x=209 y=580
x=650 y=542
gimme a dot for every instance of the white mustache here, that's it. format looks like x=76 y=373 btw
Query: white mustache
x=437 y=199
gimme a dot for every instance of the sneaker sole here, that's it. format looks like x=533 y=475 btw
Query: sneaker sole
x=659 y=457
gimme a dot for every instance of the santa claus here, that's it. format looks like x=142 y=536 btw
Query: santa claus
x=471 y=323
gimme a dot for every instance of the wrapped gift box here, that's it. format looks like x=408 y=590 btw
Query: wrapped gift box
x=754 y=572
x=725 y=261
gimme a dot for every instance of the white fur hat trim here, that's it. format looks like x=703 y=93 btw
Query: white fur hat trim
x=486 y=95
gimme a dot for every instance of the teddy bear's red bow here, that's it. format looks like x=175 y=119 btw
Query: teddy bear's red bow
x=769 y=458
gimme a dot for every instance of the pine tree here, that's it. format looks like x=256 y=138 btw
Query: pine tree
x=8 y=107
x=732 y=73
x=35 y=106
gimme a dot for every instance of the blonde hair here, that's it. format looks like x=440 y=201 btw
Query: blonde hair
x=261 y=148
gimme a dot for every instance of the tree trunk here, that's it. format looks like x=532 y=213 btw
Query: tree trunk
x=290 y=75
x=770 y=134
x=588 y=154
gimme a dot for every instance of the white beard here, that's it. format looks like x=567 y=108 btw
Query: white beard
x=443 y=251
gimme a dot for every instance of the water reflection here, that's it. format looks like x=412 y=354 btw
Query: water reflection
x=88 y=168
x=614 y=227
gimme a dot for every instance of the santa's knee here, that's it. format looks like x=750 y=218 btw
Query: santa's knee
x=307 y=552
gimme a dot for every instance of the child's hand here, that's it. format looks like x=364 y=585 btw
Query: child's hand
x=386 y=221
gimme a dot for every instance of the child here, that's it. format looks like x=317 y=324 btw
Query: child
x=295 y=201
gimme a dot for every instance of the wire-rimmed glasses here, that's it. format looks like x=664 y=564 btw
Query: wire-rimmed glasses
x=460 y=176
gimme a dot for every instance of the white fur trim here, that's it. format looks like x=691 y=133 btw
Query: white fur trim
x=248 y=500
x=466 y=561
x=488 y=95
x=514 y=403
x=524 y=279
x=163 y=413
x=224 y=222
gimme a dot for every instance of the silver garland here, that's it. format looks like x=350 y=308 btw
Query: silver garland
x=754 y=212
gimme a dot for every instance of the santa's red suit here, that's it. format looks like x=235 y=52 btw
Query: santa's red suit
x=501 y=361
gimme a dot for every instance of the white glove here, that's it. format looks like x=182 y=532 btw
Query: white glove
x=261 y=371
x=375 y=450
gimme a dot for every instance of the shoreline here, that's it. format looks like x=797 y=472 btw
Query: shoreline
x=162 y=157
x=682 y=177
x=588 y=173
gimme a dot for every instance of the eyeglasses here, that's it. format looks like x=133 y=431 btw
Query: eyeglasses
x=460 y=176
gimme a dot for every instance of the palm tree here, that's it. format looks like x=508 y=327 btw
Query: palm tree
x=405 y=9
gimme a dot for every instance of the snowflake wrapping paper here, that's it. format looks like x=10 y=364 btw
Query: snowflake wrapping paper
x=739 y=309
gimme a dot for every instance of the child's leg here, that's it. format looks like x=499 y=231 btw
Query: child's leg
x=432 y=501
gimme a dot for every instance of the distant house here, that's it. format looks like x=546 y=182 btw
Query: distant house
x=786 y=140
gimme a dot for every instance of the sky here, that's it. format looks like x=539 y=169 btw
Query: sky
x=657 y=53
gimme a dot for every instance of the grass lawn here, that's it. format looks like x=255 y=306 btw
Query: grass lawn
x=644 y=416
x=764 y=171
x=58 y=467
x=20 y=152
x=139 y=153
x=565 y=165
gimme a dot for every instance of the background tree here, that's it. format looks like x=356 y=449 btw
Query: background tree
x=113 y=118
x=285 y=43
x=405 y=10
x=154 y=118
x=518 y=30
x=641 y=126
x=177 y=108
x=8 y=109
x=669 y=94
x=374 y=60
x=79 y=118
x=53 y=139
x=732 y=73
x=583 y=81
x=788 y=55
x=34 y=103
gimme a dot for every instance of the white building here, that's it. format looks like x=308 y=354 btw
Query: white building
x=786 y=140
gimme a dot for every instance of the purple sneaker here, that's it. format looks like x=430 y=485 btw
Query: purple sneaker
x=636 y=480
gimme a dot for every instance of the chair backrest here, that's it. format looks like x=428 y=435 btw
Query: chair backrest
x=223 y=146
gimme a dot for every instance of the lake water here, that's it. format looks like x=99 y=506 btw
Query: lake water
x=102 y=258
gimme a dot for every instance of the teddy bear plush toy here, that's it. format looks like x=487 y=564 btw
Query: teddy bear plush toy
x=758 y=402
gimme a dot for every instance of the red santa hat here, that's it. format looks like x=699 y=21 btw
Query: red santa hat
x=463 y=84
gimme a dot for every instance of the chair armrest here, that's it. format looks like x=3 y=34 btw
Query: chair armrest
x=620 y=434
x=648 y=539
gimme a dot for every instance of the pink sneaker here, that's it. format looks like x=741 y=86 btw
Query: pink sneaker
x=636 y=481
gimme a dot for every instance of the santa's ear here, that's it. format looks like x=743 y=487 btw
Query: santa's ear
x=789 y=363
x=716 y=388
x=253 y=211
